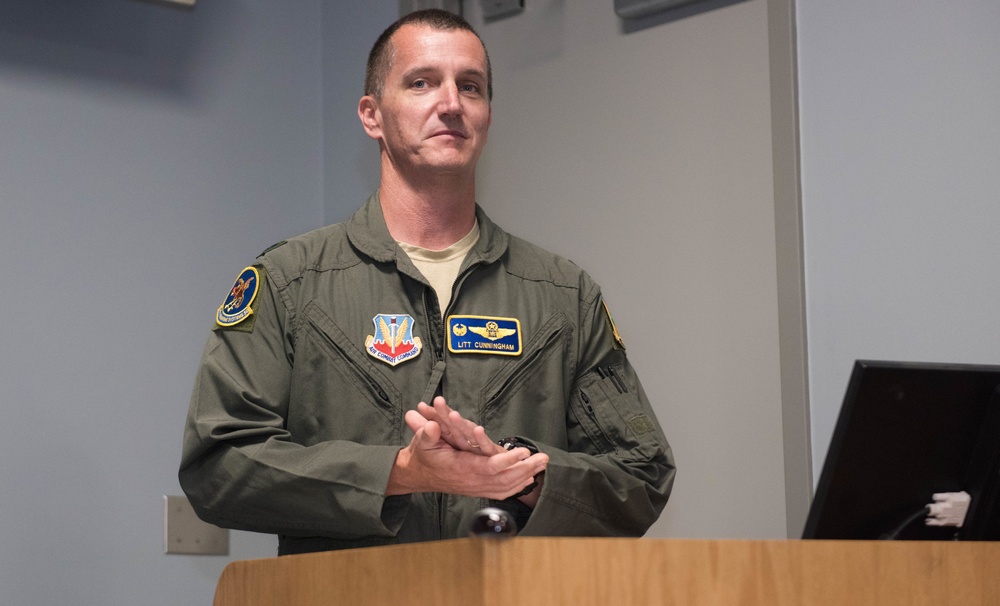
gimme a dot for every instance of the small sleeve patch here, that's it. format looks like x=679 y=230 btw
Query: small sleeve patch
x=238 y=304
x=640 y=424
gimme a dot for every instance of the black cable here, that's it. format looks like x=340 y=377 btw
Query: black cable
x=891 y=536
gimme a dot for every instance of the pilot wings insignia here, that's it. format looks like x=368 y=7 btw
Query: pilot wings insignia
x=492 y=331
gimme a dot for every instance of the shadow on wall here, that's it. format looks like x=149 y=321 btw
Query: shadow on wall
x=146 y=45
x=629 y=26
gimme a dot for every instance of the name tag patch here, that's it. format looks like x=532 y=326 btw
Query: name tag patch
x=484 y=335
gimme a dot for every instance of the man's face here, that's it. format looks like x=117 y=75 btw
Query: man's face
x=434 y=111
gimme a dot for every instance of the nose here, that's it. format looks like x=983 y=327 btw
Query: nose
x=450 y=101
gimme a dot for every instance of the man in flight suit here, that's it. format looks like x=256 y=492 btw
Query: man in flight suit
x=358 y=376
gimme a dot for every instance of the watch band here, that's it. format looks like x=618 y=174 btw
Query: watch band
x=515 y=442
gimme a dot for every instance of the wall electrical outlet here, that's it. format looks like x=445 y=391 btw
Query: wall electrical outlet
x=184 y=532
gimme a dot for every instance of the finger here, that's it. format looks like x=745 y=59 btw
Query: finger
x=525 y=468
x=414 y=420
x=508 y=459
x=536 y=463
x=429 y=434
x=427 y=411
x=521 y=476
x=458 y=431
x=448 y=432
x=486 y=445
x=442 y=413
x=461 y=430
x=438 y=407
x=539 y=460
x=439 y=413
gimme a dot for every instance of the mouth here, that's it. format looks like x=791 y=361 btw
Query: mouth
x=450 y=133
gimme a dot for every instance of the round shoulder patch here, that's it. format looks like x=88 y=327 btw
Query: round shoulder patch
x=236 y=307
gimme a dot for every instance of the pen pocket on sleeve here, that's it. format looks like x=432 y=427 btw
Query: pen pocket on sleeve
x=610 y=409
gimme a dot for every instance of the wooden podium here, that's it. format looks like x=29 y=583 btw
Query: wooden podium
x=628 y=572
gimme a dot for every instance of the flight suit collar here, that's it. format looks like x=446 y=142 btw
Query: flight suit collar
x=368 y=233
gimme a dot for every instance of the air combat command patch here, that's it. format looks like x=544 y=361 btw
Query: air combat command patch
x=393 y=341
x=484 y=335
x=236 y=308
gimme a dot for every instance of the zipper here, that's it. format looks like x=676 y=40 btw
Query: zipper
x=364 y=375
x=523 y=366
x=441 y=336
x=358 y=369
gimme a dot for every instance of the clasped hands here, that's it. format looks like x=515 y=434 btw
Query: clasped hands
x=451 y=454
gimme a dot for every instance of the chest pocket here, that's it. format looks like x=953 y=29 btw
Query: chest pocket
x=343 y=395
x=527 y=396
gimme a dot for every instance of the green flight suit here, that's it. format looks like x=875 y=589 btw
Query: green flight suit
x=293 y=427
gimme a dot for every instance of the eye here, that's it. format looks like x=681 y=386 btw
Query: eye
x=469 y=87
x=419 y=84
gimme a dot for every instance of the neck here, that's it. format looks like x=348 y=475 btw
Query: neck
x=432 y=215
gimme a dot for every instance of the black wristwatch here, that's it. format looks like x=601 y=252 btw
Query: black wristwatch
x=512 y=443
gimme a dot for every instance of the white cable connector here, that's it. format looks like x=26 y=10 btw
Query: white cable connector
x=948 y=509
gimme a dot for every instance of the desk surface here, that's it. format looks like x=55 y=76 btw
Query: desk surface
x=583 y=571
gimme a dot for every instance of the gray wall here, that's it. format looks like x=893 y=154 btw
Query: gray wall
x=351 y=159
x=643 y=153
x=146 y=156
x=144 y=144
x=900 y=123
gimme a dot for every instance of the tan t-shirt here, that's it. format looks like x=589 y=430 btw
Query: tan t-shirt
x=440 y=267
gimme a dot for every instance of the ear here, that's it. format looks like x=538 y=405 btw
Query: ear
x=371 y=118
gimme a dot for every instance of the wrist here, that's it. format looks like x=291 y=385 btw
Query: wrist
x=515 y=442
x=531 y=499
x=399 y=482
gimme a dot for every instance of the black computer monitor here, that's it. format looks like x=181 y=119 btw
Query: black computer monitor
x=905 y=432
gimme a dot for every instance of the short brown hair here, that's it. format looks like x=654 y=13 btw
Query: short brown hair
x=380 y=57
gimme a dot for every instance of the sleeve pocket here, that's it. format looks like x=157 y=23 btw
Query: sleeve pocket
x=609 y=408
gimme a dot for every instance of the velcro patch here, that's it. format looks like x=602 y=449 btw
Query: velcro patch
x=641 y=424
x=484 y=335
